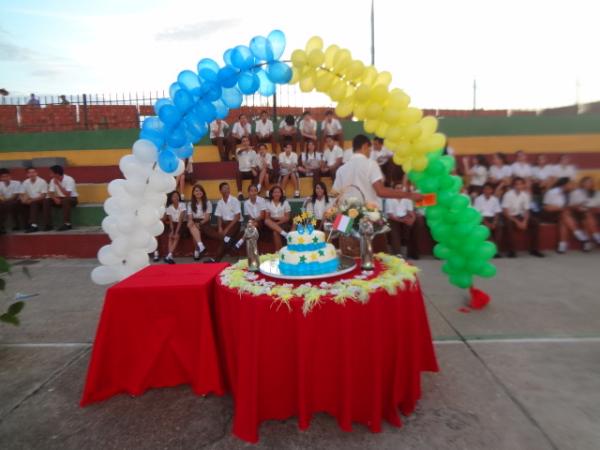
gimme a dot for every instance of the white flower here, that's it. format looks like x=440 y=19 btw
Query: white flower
x=374 y=216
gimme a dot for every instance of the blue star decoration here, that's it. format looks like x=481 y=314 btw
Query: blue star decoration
x=316 y=240
x=303 y=259
x=321 y=253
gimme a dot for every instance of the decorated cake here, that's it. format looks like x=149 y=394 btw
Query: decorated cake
x=307 y=253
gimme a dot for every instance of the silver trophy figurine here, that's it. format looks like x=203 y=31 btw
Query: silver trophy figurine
x=251 y=238
x=367 y=232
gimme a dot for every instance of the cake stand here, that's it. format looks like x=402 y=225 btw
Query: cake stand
x=271 y=269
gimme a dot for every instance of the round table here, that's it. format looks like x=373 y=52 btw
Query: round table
x=360 y=361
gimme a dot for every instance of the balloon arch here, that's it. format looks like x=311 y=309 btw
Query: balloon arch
x=136 y=203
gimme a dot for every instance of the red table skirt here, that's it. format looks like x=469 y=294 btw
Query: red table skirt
x=358 y=362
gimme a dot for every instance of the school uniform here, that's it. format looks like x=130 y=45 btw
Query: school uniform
x=255 y=211
x=541 y=173
x=238 y=131
x=362 y=173
x=560 y=171
x=277 y=211
x=38 y=190
x=317 y=209
x=174 y=217
x=402 y=232
x=227 y=211
x=9 y=203
x=347 y=155
x=247 y=160
x=264 y=131
x=332 y=155
x=383 y=157
x=489 y=209
x=218 y=137
x=478 y=177
x=557 y=198
x=311 y=162
x=287 y=163
x=522 y=170
x=518 y=205
x=287 y=132
x=331 y=129
x=66 y=203
x=497 y=174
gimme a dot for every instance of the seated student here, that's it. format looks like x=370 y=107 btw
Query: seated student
x=175 y=218
x=277 y=215
x=515 y=207
x=186 y=176
x=287 y=132
x=332 y=158
x=477 y=172
x=310 y=162
x=198 y=219
x=489 y=207
x=331 y=126
x=308 y=129
x=263 y=129
x=247 y=165
x=521 y=167
x=556 y=211
x=254 y=211
x=9 y=200
x=585 y=204
x=564 y=169
x=62 y=193
x=240 y=129
x=229 y=213
x=219 y=129
x=288 y=169
x=33 y=194
x=264 y=164
x=318 y=203
x=383 y=157
x=541 y=175
x=500 y=173
x=402 y=219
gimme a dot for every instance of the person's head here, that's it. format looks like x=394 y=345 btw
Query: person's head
x=319 y=192
x=488 y=190
x=481 y=160
x=329 y=115
x=587 y=184
x=264 y=115
x=564 y=160
x=198 y=196
x=262 y=149
x=243 y=119
x=518 y=184
x=289 y=120
x=310 y=146
x=31 y=95
x=362 y=144
x=541 y=160
x=521 y=156
x=174 y=198
x=245 y=141
x=63 y=97
x=276 y=194
x=329 y=142
x=399 y=187
x=377 y=143
x=307 y=115
x=57 y=171
x=287 y=148
x=564 y=183
x=32 y=173
x=224 y=189
x=499 y=159
x=4 y=175
x=252 y=191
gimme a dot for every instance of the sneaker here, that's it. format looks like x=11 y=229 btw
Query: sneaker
x=156 y=256
x=196 y=255
x=32 y=229
x=497 y=255
x=537 y=254
x=511 y=254
x=581 y=236
x=169 y=260
x=65 y=227
x=562 y=247
x=587 y=246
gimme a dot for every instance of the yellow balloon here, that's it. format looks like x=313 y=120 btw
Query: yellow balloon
x=307 y=84
x=412 y=131
x=421 y=146
x=395 y=133
x=350 y=91
x=374 y=110
x=342 y=59
x=344 y=107
x=314 y=43
x=407 y=165
x=428 y=125
x=370 y=125
x=323 y=81
x=355 y=69
x=363 y=93
x=337 y=91
x=437 y=141
x=360 y=111
x=295 y=75
x=382 y=130
x=391 y=115
x=316 y=58
x=403 y=148
x=379 y=94
x=419 y=163
x=398 y=99
x=299 y=58
x=384 y=78
x=369 y=76
x=398 y=160
x=330 y=54
x=410 y=116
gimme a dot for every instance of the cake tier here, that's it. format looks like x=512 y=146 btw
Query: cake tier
x=313 y=262
x=305 y=242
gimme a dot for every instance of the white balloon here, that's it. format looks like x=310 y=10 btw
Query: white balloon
x=128 y=163
x=180 y=169
x=154 y=199
x=147 y=215
x=145 y=151
x=140 y=239
x=137 y=258
x=156 y=229
x=104 y=275
x=161 y=182
x=127 y=223
x=161 y=211
x=121 y=246
x=171 y=184
x=109 y=224
x=111 y=207
x=115 y=187
x=135 y=187
x=126 y=270
x=152 y=245
x=126 y=203
x=107 y=257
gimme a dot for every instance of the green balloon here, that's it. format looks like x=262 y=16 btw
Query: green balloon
x=461 y=280
x=471 y=215
x=463 y=229
x=428 y=184
x=481 y=233
x=441 y=232
x=415 y=176
x=459 y=202
x=447 y=269
x=456 y=261
x=453 y=216
x=487 y=270
x=486 y=250
x=442 y=251
x=445 y=198
x=446 y=182
x=474 y=265
x=449 y=162
x=469 y=247
x=435 y=168
x=434 y=213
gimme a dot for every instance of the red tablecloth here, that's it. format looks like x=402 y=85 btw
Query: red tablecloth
x=156 y=330
x=357 y=362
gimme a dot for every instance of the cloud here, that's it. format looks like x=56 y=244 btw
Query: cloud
x=45 y=73
x=13 y=52
x=195 y=31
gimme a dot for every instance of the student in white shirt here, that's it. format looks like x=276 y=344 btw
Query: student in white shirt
x=62 y=193
x=9 y=200
x=585 y=204
x=382 y=156
x=186 y=176
x=403 y=221
x=198 y=219
x=318 y=203
x=240 y=129
x=556 y=211
x=175 y=221
x=263 y=129
x=477 y=173
x=288 y=169
x=331 y=126
x=515 y=207
x=310 y=162
x=521 y=167
x=308 y=129
x=247 y=165
x=33 y=195
x=332 y=158
x=254 y=212
x=277 y=215
x=489 y=207
x=266 y=169
x=228 y=213
x=287 y=132
x=219 y=130
x=500 y=173
x=541 y=174
x=564 y=168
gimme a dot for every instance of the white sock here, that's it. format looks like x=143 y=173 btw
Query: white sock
x=284 y=233
x=226 y=239
x=597 y=237
x=239 y=243
x=580 y=235
x=562 y=246
x=258 y=187
x=170 y=255
x=201 y=247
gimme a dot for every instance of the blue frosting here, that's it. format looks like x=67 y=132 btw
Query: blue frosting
x=306 y=247
x=313 y=268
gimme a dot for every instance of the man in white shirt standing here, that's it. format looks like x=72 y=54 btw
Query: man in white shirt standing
x=218 y=132
x=247 y=165
x=263 y=128
x=62 y=193
x=331 y=126
x=489 y=207
x=228 y=213
x=9 y=200
x=515 y=205
x=332 y=158
x=383 y=156
x=240 y=129
x=403 y=221
x=33 y=193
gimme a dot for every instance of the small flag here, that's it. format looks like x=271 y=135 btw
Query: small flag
x=428 y=200
x=342 y=223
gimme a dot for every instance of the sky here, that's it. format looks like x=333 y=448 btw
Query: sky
x=522 y=53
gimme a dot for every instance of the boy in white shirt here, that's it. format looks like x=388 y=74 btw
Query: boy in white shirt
x=247 y=165
x=521 y=167
x=254 y=212
x=402 y=218
x=287 y=132
x=383 y=157
x=62 y=193
x=240 y=129
x=228 y=213
x=489 y=207
x=219 y=130
x=332 y=158
x=9 y=200
x=564 y=169
x=515 y=206
x=331 y=126
x=33 y=193
x=263 y=128
x=308 y=129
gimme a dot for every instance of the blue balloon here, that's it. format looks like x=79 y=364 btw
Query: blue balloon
x=227 y=56
x=222 y=111
x=154 y=130
x=210 y=91
x=279 y=72
x=208 y=70
x=183 y=152
x=261 y=48
x=242 y=58
x=195 y=127
x=248 y=83
x=277 y=40
x=189 y=81
x=169 y=115
x=267 y=87
x=232 y=98
x=183 y=101
x=228 y=76
x=173 y=89
x=168 y=161
x=160 y=103
x=177 y=137
x=206 y=111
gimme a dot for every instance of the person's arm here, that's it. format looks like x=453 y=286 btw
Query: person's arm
x=59 y=187
x=386 y=192
x=180 y=221
x=283 y=219
x=232 y=223
x=409 y=218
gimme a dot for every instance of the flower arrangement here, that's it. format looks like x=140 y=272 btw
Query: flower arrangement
x=358 y=211
x=305 y=221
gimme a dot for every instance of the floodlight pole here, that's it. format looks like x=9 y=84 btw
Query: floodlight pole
x=372 y=32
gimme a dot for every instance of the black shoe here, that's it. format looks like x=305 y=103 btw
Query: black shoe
x=155 y=257
x=511 y=254
x=32 y=229
x=537 y=254
x=169 y=260
x=497 y=255
x=65 y=227
x=49 y=228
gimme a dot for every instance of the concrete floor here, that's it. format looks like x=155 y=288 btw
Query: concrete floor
x=522 y=374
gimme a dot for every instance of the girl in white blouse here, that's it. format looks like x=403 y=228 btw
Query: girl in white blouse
x=264 y=163
x=277 y=215
x=318 y=203
x=478 y=174
x=310 y=162
x=198 y=213
x=585 y=203
x=500 y=174
x=174 y=216
x=288 y=169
